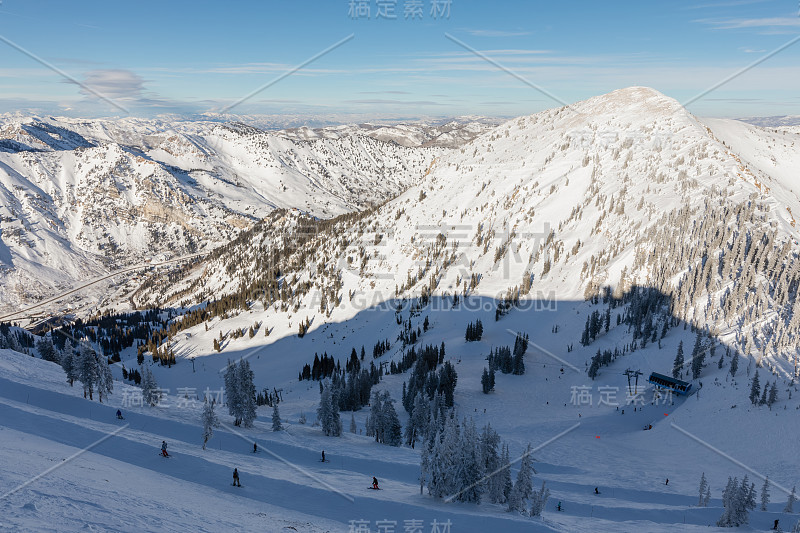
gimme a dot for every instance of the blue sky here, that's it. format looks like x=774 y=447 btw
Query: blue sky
x=156 y=57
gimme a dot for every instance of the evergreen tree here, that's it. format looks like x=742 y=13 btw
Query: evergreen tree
x=276 y=418
x=46 y=349
x=489 y=442
x=734 y=364
x=392 y=429
x=151 y=393
x=328 y=413
x=246 y=393
x=375 y=424
x=765 y=494
x=773 y=394
x=485 y=382
x=698 y=356
x=88 y=370
x=678 y=364
x=469 y=465
x=703 y=488
x=524 y=485
x=755 y=389
x=105 y=379
x=790 y=502
x=69 y=362
x=232 y=393
x=505 y=473
x=539 y=500
x=209 y=420
x=353 y=428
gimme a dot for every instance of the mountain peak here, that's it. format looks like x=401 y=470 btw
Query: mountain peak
x=631 y=99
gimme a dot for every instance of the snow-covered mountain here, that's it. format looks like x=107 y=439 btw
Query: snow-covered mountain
x=620 y=190
x=623 y=217
x=450 y=134
x=78 y=198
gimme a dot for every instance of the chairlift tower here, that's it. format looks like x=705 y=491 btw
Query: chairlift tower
x=635 y=375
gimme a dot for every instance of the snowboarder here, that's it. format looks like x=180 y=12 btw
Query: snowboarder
x=164 y=448
x=596 y=491
x=559 y=506
x=119 y=414
x=323 y=456
x=375 y=483
x=236 y=478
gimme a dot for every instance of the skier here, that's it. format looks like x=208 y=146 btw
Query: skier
x=559 y=506
x=164 y=448
x=119 y=414
x=775 y=527
x=323 y=456
x=667 y=483
x=375 y=483
x=236 y=478
x=255 y=447
x=596 y=491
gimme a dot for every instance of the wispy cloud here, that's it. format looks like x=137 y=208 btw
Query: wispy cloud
x=378 y=101
x=729 y=3
x=497 y=33
x=757 y=23
x=384 y=92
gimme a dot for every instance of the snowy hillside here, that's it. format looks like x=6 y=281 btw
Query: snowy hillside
x=78 y=198
x=617 y=234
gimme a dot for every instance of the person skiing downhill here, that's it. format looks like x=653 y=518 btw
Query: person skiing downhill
x=323 y=456
x=236 y=478
x=375 y=483
x=255 y=448
x=164 y=448
x=119 y=414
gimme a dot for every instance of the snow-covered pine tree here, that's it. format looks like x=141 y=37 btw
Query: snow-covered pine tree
x=328 y=413
x=708 y=496
x=46 y=349
x=469 y=465
x=505 y=472
x=209 y=420
x=677 y=365
x=485 y=381
x=375 y=425
x=539 y=500
x=353 y=428
x=755 y=389
x=392 y=429
x=88 y=370
x=702 y=490
x=232 y=393
x=69 y=363
x=105 y=379
x=734 y=364
x=765 y=494
x=773 y=394
x=731 y=504
x=151 y=394
x=698 y=356
x=489 y=443
x=524 y=485
x=247 y=393
x=790 y=502
x=276 y=418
